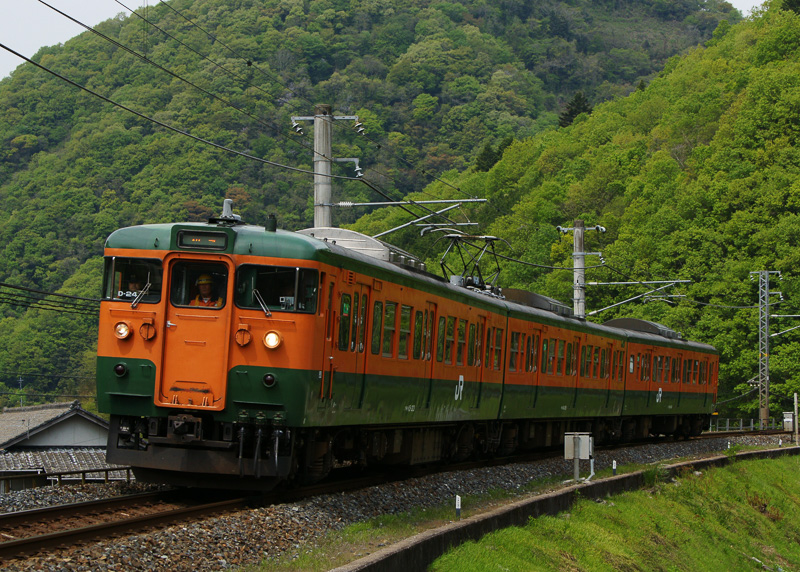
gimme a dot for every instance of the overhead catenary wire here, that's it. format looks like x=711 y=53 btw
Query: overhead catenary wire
x=699 y=303
x=145 y=59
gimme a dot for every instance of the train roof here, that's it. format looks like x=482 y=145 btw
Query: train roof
x=373 y=257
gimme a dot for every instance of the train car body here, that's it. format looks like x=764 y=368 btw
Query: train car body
x=246 y=356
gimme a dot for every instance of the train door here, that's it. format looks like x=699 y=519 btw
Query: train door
x=532 y=347
x=331 y=314
x=428 y=340
x=646 y=377
x=571 y=366
x=347 y=346
x=358 y=342
x=196 y=333
x=480 y=332
x=607 y=367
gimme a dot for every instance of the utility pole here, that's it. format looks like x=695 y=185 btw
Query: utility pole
x=763 y=345
x=322 y=165
x=323 y=151
x=579 y=264
x=579 y=270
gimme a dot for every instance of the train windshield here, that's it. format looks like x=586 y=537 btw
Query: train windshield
x=132 y=279
x=282 y=288
x=200 y=284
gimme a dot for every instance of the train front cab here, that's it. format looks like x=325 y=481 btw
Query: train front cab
x=205 y=385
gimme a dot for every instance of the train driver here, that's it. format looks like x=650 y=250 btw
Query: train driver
x=134 y=284
x=205 y=284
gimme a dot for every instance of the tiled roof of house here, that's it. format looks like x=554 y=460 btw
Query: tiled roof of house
x=53 y=460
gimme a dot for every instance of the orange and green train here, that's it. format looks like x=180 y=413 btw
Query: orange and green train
x=233 y=355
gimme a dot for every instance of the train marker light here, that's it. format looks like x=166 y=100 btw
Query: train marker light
x=122 y=330
x=120 y=370
x=243 y=335
x=269 y=381
x=272 y=339
x=148 y=330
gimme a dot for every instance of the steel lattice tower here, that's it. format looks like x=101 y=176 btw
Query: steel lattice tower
x=763 y=346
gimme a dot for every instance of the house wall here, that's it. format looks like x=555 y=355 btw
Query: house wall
x=73 y=432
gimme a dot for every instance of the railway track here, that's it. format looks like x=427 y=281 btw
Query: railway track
x=31 y=531
x=28 y=532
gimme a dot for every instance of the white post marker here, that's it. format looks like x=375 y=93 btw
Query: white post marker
x=458 y=507
x=614 y=467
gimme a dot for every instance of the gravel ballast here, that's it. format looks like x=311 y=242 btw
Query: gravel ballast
x=249 y=536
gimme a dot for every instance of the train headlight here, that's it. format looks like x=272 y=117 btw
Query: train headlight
x=272 y=339
x=122 y=330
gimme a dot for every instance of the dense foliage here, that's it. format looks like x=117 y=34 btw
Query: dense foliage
x=435 y=84
x=695 y=178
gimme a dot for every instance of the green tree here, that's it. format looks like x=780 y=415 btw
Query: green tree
x=577 y=105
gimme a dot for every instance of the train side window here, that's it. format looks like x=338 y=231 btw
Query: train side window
x=362 y=324
x=418 y=329
x=528 y=353
x=534 y=352
x=356 y=326
x=461 y=341
x=126 y=278
x=489 y=349
x=621 y=365
x=498 y=348
x=631 y=365
x=551 y=356
x=686 y=371
x=676 y=370
x=440 y=339
x=667 y=361
x=568 y=365
x=702 y=376
x=428 y=336
x=405 y=331
x=545 y=343
x=471 y=345
x=329 y=323
x=189 y=281
x=694 y=374
x=344 y=322
x=449 y=338
x=584 y=351
x=613 y=366
x=512 y=356
x=603 y=362
x=280 y=288
x=560 y=357
x=377 y=323
x=389 y=328
x=596 y=363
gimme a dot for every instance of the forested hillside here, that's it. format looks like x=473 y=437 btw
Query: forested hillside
x=695 y=177
x=434 y=83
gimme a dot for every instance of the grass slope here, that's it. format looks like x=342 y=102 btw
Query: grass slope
x=741 y=517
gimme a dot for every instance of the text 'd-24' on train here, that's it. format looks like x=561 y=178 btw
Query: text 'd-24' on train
x=232 y=355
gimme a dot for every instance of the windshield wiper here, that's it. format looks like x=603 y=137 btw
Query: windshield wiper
x=260 y=300
x=141 y=294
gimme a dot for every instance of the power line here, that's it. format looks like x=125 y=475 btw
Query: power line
x=169 y=127
x=250 y=63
